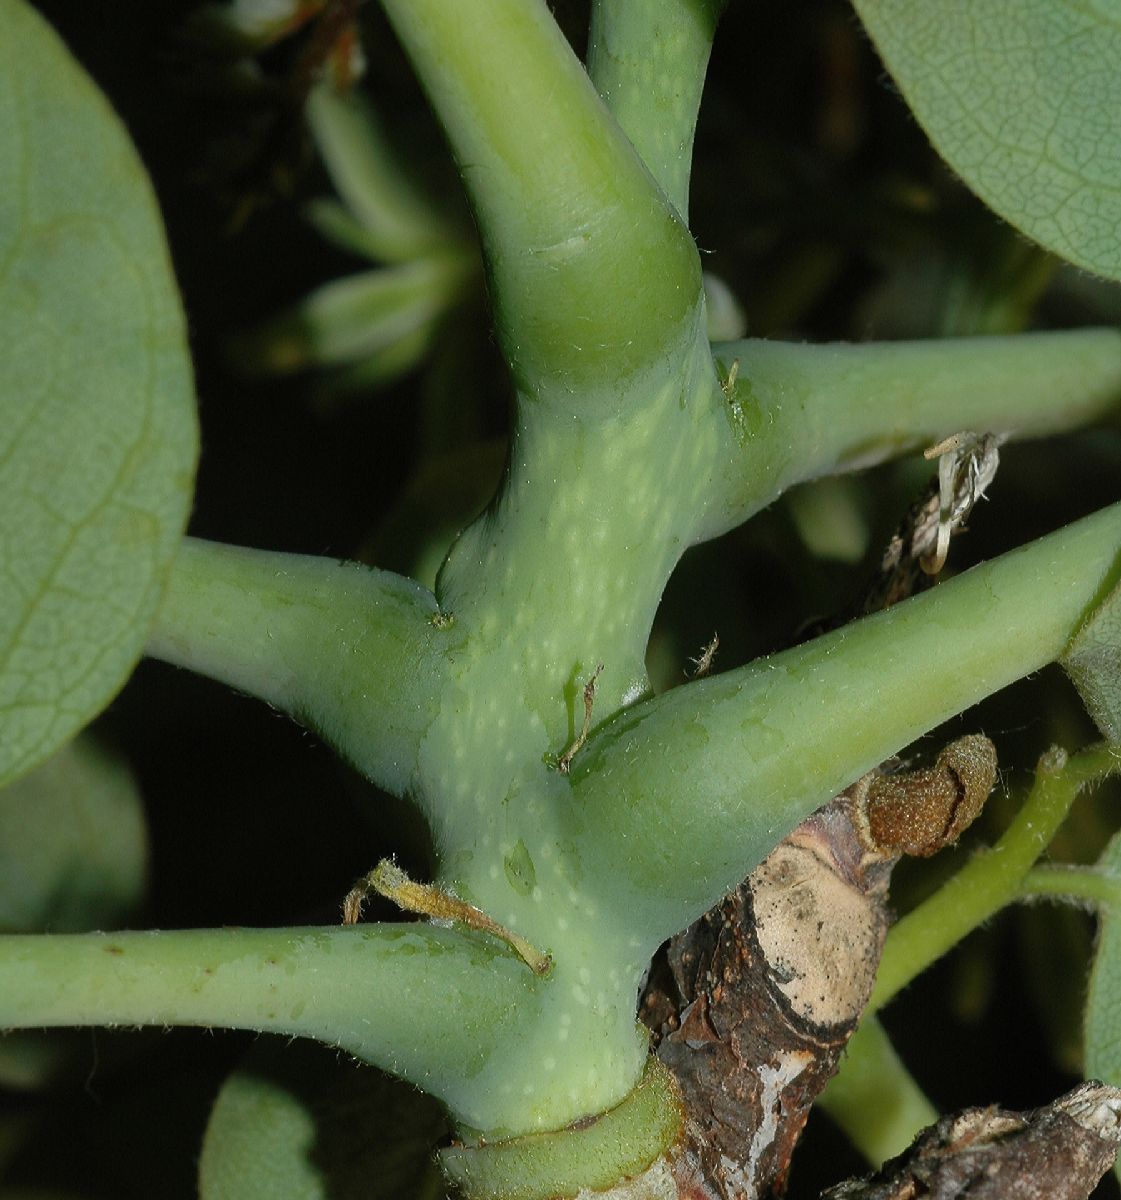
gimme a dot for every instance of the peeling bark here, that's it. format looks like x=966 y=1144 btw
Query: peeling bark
x=752 y=1005
x=1058 y=1152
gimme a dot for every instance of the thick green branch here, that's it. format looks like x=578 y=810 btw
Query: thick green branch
x=678 y=798
x=593 y=275
x=647 y=59
x=349 y=651
x=434 y=1006
x=799 y=411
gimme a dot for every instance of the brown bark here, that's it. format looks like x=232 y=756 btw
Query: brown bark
x=1058 y=1152
x=752 y=1005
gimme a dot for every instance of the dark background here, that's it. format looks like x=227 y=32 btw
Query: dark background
x=818 y=200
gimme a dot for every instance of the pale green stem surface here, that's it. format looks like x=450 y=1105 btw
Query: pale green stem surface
x=875 y=1099
x=349 y=651
x=438 y=1007
x=800 y=411
x=592 y=274
x=676 y=799
x=647 y=59
x=995 y=877
x=1061 y=881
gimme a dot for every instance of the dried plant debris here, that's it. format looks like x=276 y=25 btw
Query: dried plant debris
x=752 y=1005
x=916 y=553
x=918 y=549
x=1058 y=1152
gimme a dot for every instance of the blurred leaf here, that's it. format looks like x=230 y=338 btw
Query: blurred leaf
x=73 y=849
x=831 y=519
x=1093 y=661
x=241 y=26
x=400 y=222
x=296 y=1123
x=98 y=440
x=1021 y=98
x=726 y=320
x=446 y=493
x=385 y=317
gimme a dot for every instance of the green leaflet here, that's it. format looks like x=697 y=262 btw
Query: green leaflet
x=1021 y=97
x=293 y=1122
x=1093 y=661
x=97 y=436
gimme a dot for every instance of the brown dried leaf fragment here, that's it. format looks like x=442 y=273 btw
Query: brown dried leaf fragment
x=920 y=812
x=1058 y=1152
x=564 y=763
x=388 y=880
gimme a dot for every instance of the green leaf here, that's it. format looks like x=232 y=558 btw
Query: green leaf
x=1093 y=661
x=73 y=847
x=98 y=437
x=399 y=220
x=368 y=315
x=295 y=1123
x=1021 y=98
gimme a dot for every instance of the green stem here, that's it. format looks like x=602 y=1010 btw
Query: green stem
x=351 y=652
x=438 y=1007
x=594 y=1156
x=676 y=799
x=1064 y=881
x=874 y=1098
x=647 y=59
x=995 y=877
x=798 y=412
x=593 y=276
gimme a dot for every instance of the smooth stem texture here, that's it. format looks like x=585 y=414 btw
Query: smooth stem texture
x=347 y=650
x=592 y=274
x=874 y=1098
x=434 y=1006
x=619 y=1145
x=648 y=59
x=1063 y=881
x=995 y=877
x=798 y=411
x=678 y=798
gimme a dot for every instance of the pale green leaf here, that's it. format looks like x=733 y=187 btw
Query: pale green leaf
x=73 y=847
x=1022 y=98
x=1093 y=661
x=369 y=315
x=296 y=1123
x=399 y=220
x=98 y=437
